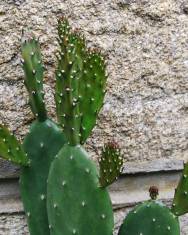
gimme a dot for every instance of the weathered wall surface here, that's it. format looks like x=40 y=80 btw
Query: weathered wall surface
x=146 y=46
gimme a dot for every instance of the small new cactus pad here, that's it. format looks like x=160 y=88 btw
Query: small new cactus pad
x=110 y=163
x=41 y=144
x=94 y=83
x=11 y=149
x=150 y=218
x=80 y=84
x=180 y=202
x=76 y=203
x=33 y=68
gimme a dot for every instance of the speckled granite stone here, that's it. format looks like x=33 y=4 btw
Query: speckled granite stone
x=145 y=43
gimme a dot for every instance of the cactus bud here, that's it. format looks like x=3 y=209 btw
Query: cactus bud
x=154 y=192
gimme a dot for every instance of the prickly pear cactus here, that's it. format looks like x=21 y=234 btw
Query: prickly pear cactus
x=150 y=217
x=77 y=204
x=180 y=202
x=40 y=146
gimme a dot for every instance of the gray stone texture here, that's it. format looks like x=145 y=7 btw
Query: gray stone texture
x=145 y=43
x=146 y=48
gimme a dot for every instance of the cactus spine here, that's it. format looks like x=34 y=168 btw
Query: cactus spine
x=76 y=202
x=150 y=217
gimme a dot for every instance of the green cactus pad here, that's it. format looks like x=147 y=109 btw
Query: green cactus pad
x=76 y=203
x=150 y=218
x=67 y=82
x=42 y=143
x=80 y=84
x=11 y=149
x=93 y=86
x=33 y=68
x=110 y=163
x=180 y=202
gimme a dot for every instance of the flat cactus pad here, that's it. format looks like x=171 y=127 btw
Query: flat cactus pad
x=150 y=218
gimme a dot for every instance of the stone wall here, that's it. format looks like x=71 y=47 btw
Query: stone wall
x=146 y=106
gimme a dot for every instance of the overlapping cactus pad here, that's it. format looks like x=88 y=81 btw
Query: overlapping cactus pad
x=150 y=218
x=41 y=144
x=80 y=84
x=76 y=203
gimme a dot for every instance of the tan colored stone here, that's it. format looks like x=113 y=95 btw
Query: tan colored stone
x=145 y=43
x=146 y=48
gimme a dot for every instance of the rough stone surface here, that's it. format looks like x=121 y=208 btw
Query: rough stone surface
x=13 y=224
x=145 y=43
